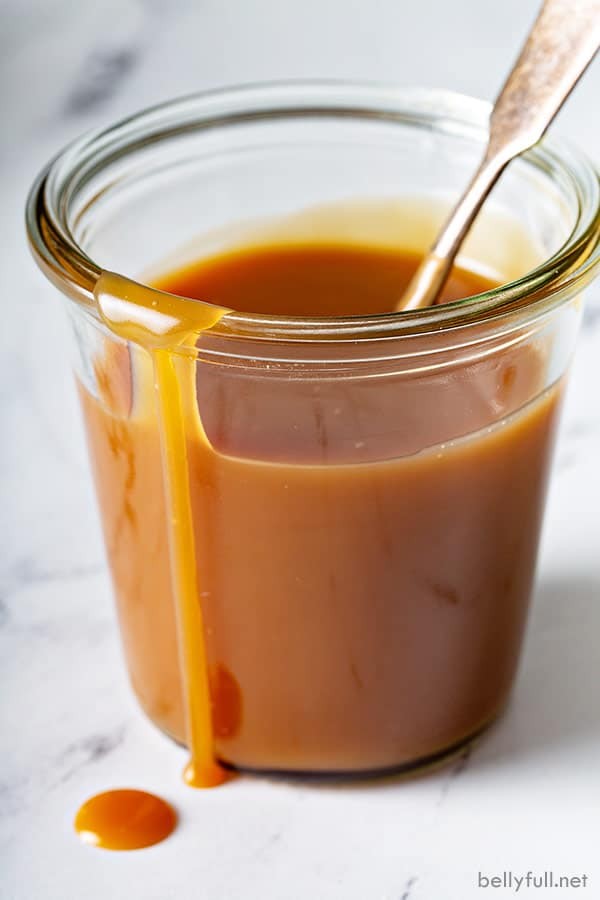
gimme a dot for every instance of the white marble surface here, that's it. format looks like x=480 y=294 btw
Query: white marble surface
x=528 y=796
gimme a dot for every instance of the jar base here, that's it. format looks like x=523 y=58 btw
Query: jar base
x=424 y=765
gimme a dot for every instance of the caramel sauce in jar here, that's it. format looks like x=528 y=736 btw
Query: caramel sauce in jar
x=350 y=560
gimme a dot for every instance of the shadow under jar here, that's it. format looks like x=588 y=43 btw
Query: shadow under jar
x=367 y=492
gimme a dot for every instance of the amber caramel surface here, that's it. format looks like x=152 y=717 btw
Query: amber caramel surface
x=363 y=548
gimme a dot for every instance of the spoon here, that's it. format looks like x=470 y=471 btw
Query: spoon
x=560 y=46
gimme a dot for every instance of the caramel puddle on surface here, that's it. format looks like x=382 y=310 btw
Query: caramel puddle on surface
x=125 y=820
x=162 y=323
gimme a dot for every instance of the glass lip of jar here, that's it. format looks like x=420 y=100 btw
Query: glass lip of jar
x=527 y=298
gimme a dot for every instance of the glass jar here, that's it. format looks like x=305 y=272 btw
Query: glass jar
x=367 y=492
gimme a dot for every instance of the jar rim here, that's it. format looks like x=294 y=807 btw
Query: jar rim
x=555 y=280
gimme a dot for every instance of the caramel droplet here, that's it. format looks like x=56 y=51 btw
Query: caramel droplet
x=205 y=776
x=125 y=820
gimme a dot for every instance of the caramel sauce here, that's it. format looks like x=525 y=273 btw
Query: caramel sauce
x=301 y=621
x=314 y=280
x=125 y=820
x=161 y=324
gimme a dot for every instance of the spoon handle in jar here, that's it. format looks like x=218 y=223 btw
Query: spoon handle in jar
x=560 y=46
